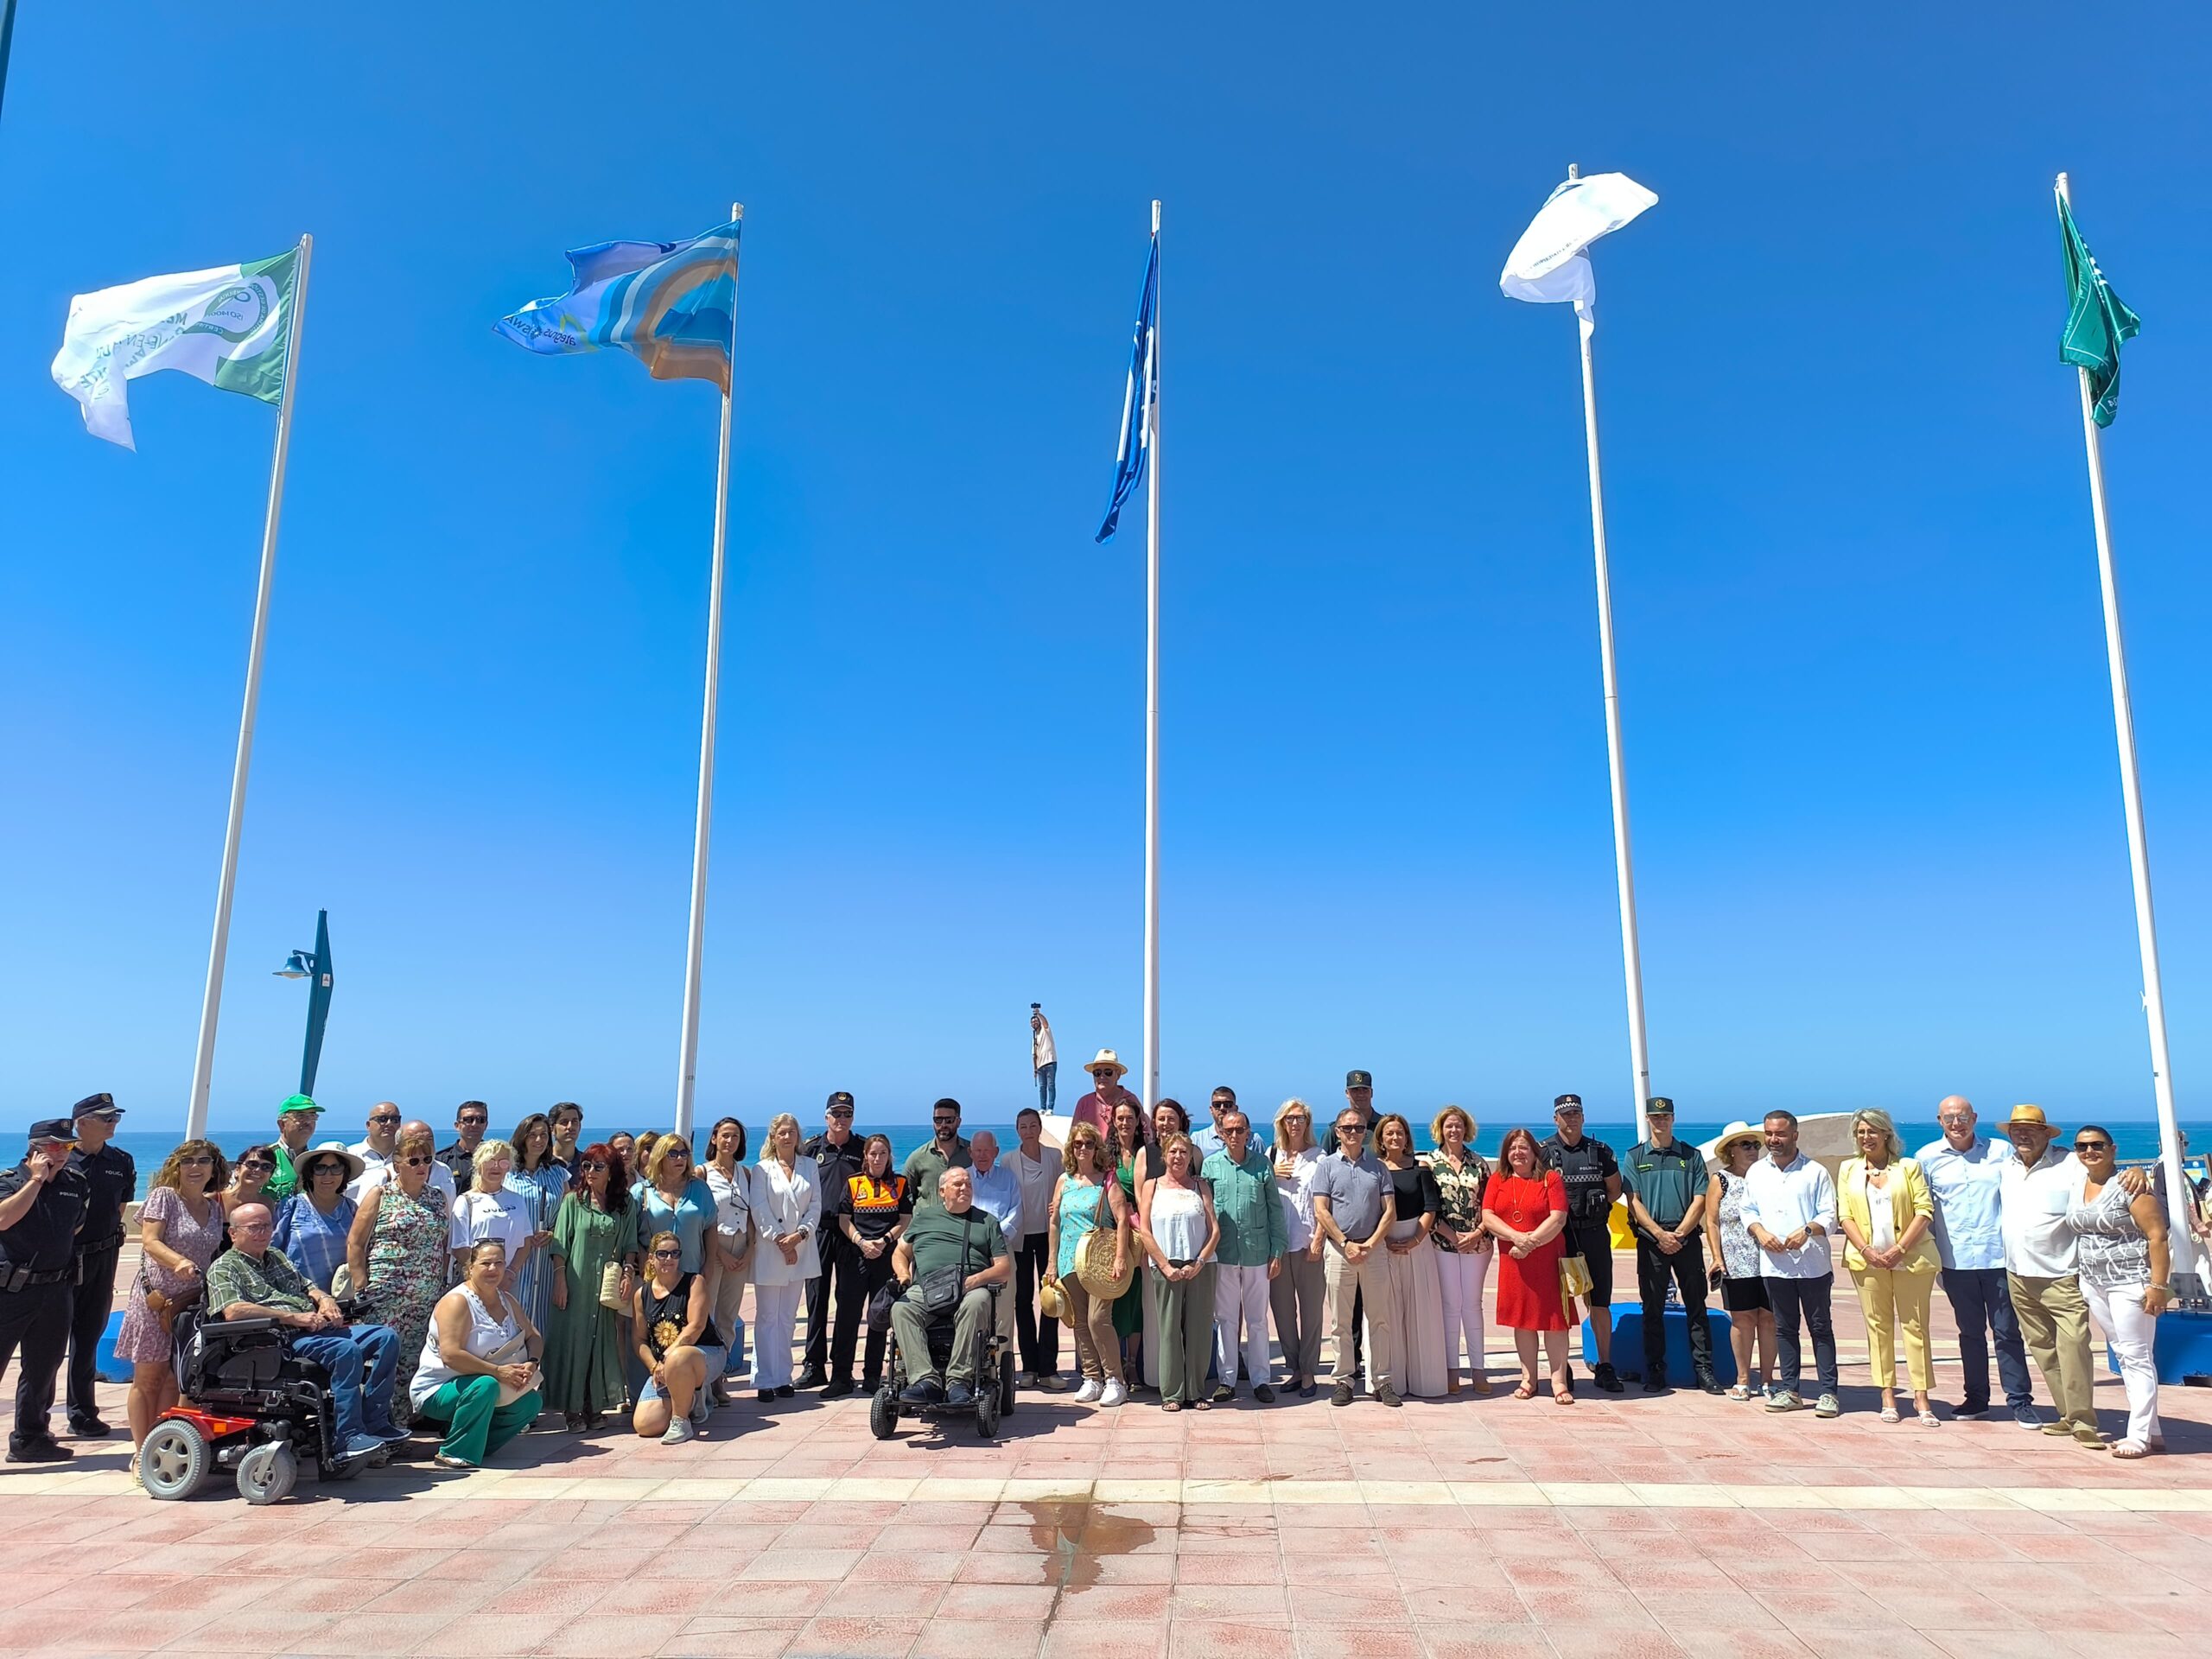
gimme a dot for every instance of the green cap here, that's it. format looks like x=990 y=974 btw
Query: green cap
x=297 y=1104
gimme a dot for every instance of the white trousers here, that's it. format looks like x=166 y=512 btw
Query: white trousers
x=2121 y=1319
x=1239 y=1298
x=1463 y=1277
x=775 y=1317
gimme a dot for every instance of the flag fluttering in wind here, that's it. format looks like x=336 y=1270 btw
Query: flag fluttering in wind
x=230 y=327
x=1547 y=262
x=2096 y=320
x=669 y=304
x=1138 y=401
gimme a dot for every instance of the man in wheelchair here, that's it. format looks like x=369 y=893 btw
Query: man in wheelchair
x=251 y=1281
x=952 y=1258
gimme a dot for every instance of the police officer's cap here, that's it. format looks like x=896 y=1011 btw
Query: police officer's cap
x=840 y=1098
x=104 y=1103
x=53 y=1128
x=1566 y=1100
x=1358 y=1080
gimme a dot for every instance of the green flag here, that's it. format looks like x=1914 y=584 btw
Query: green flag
x=2096 y=322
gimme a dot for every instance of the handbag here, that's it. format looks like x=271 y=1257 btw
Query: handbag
x=341 y=1281
x=610 y=1286
x=938 y=1290
x=1094 y=1267
x=1573 y=1280
x=509 y=1353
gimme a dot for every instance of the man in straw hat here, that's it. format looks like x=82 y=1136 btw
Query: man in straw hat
x=1097 y=1107
x=2040 y=1184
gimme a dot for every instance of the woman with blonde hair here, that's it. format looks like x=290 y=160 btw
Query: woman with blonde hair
x=180 y=1227
x=1087 y=1200
x=1298 y=1295
x=1885 y=1211
x=1180 y=1232
x=1464 y=1246
x=787 y=1217
x=676 y=1342
x=491 y=1209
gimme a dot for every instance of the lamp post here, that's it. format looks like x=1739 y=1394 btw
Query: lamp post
x=315 y=967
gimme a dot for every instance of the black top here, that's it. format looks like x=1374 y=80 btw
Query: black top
x=113 y=1180
x=460 y=1164
x=1584 y=1169
x=1415 y=1192
x=666 y=1314
x=837 y=1165
x=45 y=1240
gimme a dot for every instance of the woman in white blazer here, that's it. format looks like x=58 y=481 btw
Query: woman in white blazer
x=786 y=1216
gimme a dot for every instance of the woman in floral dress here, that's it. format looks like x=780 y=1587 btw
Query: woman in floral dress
x=178 y=1230
x=397 y=1252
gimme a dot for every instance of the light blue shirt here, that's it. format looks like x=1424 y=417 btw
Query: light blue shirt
x=1207 y=1140
x=998 y=1194
x=1968 y=1188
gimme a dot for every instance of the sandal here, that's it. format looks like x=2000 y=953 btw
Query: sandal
x=2129 y=1449
x=1526 y=1391
x=574 y=1422
x=1740 y=1392
x=1202 y=1404
x=1890 y=1412
x=1171 y=1405
x=1929 y=1420
x=1562 y=1394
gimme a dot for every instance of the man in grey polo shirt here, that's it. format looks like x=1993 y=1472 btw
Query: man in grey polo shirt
x=1353 y=1208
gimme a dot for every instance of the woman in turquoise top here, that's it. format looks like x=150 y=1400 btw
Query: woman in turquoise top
x=1088 y=1199
x=671 y=1200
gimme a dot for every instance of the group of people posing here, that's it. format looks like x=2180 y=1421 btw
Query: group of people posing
x=490 y=1281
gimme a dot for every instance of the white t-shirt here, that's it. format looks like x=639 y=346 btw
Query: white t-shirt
x=1038 y=1176
x=2038 y=1244
x=1041 y=1052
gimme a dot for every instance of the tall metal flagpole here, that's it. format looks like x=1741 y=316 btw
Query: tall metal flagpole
x=2179 y=1238
x=687 y=1070
x=1631 y=957
x=203 y=1067
x=1152 y=716
x=7 y=41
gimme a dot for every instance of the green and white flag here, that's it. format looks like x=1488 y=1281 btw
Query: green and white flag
x=231 y=326
x=2096 y=322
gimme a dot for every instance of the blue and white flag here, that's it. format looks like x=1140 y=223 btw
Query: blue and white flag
x=1137 y=406
x=671 y=305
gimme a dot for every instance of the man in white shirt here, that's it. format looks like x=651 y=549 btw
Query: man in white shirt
x=376 y=1166
x=1789 y=1211
x=2041 y=1184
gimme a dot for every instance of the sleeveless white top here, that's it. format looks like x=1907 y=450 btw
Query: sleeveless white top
x=486 y=1335
x=1178 y=1221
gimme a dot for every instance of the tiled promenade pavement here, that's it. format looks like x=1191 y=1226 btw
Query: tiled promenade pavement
x=1467 y=1529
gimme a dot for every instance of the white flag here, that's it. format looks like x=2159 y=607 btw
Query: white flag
x=1547 y=262
x=230 y=327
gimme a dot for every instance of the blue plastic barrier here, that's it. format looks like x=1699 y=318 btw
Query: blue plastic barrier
x=1628 y=1343
x=110 y=1368
x=2182 y=1348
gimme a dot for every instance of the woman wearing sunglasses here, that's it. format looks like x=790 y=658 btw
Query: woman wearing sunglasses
x=179 y=1227
x=396 y=1253
x=594 y=1230
x=678 y=1341
x=2125 y=1262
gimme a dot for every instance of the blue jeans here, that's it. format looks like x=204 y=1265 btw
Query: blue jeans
x=361 y=1357
x=1811 y=1297
x=1048 y=1085
x=1983 y=1306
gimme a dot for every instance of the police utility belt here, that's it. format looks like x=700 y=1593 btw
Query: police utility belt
x=15 y=1279
x=102 y=1246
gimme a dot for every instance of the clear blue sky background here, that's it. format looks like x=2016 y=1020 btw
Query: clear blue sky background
x=1869 y=737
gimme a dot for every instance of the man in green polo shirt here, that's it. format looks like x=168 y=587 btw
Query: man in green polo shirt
x=944 y=1150
x=295 y=1122
x=1664 y=1182
x=952 y=1233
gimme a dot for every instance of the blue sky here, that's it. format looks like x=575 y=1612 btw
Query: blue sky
x=1880 y=846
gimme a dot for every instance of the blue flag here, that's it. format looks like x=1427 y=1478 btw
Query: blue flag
x=1138 y=402
x=669 y=304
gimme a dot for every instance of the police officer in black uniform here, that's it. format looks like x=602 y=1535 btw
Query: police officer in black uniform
x=837 y=1152
x=41 y=1209
x=1592 y=1176
x=112 y=1179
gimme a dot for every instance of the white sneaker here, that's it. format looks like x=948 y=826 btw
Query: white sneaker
x=1088 y=1393
x=1114 y=1394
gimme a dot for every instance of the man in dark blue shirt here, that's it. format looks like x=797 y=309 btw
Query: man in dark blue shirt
x=112 y=1179
x=41 y=1210
x=1592 y=1178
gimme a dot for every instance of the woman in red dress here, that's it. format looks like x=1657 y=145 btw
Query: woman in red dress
x=1524 y=1207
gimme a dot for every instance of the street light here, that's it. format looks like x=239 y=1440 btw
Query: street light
x=314 y=966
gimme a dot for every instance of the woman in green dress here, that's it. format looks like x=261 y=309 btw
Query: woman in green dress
x=596 y=1224
x=1125 y=1149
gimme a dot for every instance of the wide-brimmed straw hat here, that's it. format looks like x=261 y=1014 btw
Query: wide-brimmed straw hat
x=345 y=1154
x=2033 y=1114
x=1106 y=1057
x=1737 y=1131
x=1052 y=1301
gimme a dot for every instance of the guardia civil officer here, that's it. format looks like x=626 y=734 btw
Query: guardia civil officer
x=41 y=1208
x=113 y=1181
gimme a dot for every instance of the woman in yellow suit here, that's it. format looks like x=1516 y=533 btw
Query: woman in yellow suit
x=1883 y=1203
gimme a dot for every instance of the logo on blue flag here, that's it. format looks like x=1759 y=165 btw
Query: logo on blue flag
x=1137 y=408
x=671 y=305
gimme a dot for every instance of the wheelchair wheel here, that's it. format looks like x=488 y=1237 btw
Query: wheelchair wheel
x=174 y=1460
x=986 y=1414
x=266 y=1473
x=1006 y=1385
x=883 y=1414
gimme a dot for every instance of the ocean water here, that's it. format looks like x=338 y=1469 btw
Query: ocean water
x=2135 y=1140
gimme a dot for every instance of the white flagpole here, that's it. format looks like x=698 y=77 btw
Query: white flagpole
x=1151 y=717
x=211 y=1005
x=2138 y=853
x=687 y=1070
x=1631 y=957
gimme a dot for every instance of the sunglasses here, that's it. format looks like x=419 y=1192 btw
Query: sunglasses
x=668 y=1256
x=472 y=1122
x=327 y=1168
x=2093 y=1146
x=677 y=1156
x=841 y=1112
x=257 y=1164
x=944 y=1120
x=1349 y=1128
x=595 y=1163
x=196 y=1158
x=416 y=1161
